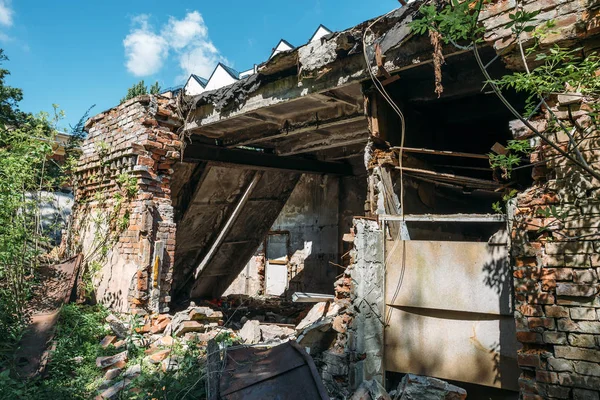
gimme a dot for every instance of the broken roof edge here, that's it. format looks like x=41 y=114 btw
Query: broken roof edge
x=333 y=62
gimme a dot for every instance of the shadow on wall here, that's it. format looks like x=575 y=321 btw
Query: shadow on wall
x=450 y=315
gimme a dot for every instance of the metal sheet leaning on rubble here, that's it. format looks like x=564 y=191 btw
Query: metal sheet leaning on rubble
x=285 y=371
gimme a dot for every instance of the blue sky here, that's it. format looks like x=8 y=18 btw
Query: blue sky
x=77 y=53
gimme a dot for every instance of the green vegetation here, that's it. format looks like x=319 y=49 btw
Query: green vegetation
x=25 y=170
x=548 y=72
x=139 y=89
x=72 y=373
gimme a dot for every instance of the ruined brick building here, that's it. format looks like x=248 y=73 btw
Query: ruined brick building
x=303 y=170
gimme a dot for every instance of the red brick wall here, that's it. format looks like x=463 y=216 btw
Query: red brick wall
x=556 y=269
x=136 y=140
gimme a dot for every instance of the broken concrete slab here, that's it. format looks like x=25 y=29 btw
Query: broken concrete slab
x=205 y=314
x=250 y=332
x=117 y=326
x=416 y=387
x=189 y=326
x=371 y=390
x=271 y=333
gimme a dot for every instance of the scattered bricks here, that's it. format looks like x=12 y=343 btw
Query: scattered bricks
x=582 y=340
x=529 y=359
x=107 y=341
x=546 y=376
x=560 y=365
x=547 y=323
x=112 y=374
x=574 y=353
x=582 y=394
x=556 y=311
x=576 y=290
x=587 y=368
x=581 y=313
x=158 y=356
x=160 y=327
x=555 y=337
x=189 y=326
x=105 y=362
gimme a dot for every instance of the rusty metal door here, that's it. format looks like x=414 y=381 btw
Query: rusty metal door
x=449 y=312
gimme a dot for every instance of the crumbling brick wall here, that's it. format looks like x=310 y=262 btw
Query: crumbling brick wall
x=357 y=354
x=556 y=266
x=123 y=217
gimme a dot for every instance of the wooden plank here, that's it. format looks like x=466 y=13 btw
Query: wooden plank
x=214 y=368
x=445 y=217
x=263 y=161
x=390 y=200
x=449 y=185
x=234 y=215
x=451 y=177
x=442 y=152
x=303 y=297
x=285 y=133
x=332 y=145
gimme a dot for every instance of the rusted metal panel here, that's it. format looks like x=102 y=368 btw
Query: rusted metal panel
x=457 y=276
x=281 y=372
x=474 y=348
x=449 y=312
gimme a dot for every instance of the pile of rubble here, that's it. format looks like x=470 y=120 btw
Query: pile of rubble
x=412 y=387
x=196 y=325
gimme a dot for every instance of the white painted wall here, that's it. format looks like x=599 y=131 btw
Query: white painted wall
x=192 y=87
x=281 y=46
x=320 y=33
x=219 y=79
x=249 y=72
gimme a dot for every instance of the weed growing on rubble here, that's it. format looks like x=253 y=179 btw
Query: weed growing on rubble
x=72 y=373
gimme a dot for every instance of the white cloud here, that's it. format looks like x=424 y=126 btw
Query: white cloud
x=180 y=33
x=187 y=38
x=199 y=60
x=145 y=51
x=6 y=13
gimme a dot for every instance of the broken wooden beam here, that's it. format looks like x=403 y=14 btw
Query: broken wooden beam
x=262 y=161
x=303 y=297
x=460 y=217
x=286 y=133
x=442 y=152
x=452 y=178
x=236 y=212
